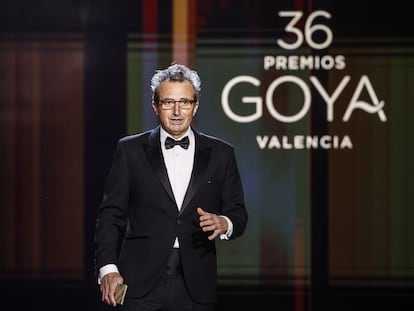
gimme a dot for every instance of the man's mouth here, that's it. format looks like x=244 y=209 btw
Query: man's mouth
x=176 y=120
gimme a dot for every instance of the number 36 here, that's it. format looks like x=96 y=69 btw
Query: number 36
x=308 y=32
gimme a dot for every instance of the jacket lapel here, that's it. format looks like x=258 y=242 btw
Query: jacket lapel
x=201 y=159
x=155 y=158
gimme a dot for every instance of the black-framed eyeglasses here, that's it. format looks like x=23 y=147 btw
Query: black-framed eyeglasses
x=184 y=103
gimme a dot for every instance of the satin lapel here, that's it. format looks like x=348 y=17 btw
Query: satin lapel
x=154 y=156
x=202 y=157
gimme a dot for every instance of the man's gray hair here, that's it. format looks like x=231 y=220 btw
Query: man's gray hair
x=175 y=72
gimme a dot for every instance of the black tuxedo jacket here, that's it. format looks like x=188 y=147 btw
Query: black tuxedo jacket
x=139 y=220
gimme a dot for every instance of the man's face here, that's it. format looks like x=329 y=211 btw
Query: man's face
x=175 y=119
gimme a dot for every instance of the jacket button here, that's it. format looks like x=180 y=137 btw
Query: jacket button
x=178 y=221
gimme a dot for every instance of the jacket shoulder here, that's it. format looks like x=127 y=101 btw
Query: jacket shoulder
x=135 y=137
x=215 y=141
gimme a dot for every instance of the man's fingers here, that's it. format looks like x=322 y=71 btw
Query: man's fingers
x=210 y=223
x=200 y=211
x=112 y=299
x=108 y=286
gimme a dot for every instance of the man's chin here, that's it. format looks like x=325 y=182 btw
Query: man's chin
x=177 y=130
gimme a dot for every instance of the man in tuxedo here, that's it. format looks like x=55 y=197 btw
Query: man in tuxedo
x=170 y=194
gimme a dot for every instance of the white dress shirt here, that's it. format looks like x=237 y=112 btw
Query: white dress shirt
x=179 y=163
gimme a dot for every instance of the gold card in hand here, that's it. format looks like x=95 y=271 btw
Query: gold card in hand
x=120 y=292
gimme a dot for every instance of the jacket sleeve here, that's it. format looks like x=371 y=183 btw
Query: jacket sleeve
x=112 y=212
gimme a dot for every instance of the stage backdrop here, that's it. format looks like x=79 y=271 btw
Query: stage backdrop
x=315 y=96
x=316 y=108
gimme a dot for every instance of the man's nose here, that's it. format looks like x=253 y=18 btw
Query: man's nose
x=176 y=108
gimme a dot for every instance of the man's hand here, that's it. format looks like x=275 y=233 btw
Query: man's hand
x=108 y=285
x=212 y=222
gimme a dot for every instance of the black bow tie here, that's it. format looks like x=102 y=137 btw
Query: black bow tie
x=170 y=143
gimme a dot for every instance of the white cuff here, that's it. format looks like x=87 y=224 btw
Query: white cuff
x=229 y=232
x=109 y=268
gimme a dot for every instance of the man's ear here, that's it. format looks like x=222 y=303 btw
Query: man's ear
x=195 y=110
x=155 y=108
